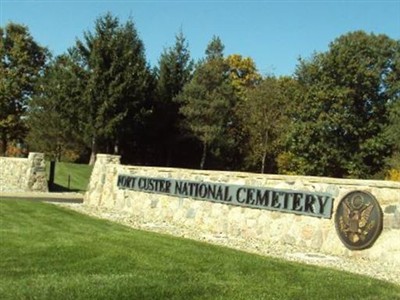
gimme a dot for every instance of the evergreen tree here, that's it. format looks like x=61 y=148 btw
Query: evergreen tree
x=117 y=85
x=207 y=101
x=174 y=72
x=215 y=49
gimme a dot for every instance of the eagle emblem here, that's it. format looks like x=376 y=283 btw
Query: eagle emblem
x=358 y=220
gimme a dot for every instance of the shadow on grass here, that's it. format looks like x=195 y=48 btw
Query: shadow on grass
x=60 y=188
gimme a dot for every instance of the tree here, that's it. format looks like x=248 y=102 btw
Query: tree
x=207 y=101
x=55 y=115
x=264 y=116
x=339 y=125
x=21 y=63
x=117 y=86
x=393 y=133
x=244 y=77
x=215 y=49
x=243 y=73
x=175 y=71
x=393 y=129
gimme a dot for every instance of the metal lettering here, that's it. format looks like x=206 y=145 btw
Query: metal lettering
x=298 y=202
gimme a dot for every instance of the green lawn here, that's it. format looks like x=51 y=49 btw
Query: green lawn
x=47 y=252
x=70 y=176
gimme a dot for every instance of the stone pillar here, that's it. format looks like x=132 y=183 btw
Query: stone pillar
x=97 y=181
x=36 y=173
x=104 y=159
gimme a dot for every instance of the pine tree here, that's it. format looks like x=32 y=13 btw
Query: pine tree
x=174 y=72
x=117 y=86
x=207 y=101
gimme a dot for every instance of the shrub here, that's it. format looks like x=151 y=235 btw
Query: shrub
x=393 y=174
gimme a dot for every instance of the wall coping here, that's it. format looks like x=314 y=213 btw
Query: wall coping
x=288 y=178
x=14 y=158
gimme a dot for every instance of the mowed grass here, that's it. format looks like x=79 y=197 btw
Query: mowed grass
x=70 y=176
x=48 y=252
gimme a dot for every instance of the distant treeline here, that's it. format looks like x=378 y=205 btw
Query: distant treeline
x=337 y=115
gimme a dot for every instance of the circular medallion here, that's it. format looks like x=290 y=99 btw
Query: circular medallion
x=358 y=220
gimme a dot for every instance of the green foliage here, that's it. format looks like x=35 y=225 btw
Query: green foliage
x=393 y=129
x=117 y=84
x=287 y=162
x=392 y=132
x=55 y=116
x=243 y=76
x=175 y=71
x=215 y=49
x=263 y=117
x=207 y=101
x=21 y=64
x=339 y=115
x=338 y=126
x=52 y=253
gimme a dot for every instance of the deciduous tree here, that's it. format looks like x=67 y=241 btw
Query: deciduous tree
x=393 y=134
x=244 y=77
x=339 y=126
x=264 y=117
x=56 y=115
x=243 y=73
x=22 y=61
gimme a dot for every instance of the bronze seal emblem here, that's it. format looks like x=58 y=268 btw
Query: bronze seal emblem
x=358 y=220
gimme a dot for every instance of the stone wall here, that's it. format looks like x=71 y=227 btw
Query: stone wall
x=216 y=219
x=23 y=174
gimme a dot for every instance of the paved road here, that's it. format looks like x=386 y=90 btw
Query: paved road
x=47 y=197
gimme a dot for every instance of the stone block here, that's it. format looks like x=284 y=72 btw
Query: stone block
x=191 y=213
x=154 y=203
x=307 y=232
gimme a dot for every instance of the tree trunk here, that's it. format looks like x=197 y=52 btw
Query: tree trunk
x=169 y=157
x=94 y=152
x=58 y=153
x=116 y=148
x=203 y=156
x=264 y=158
x=170 y=149
x=52 y=175
x=3 y=144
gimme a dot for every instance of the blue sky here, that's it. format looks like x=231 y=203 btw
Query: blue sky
x=274 y=33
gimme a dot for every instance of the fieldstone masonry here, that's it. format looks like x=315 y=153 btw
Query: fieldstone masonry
x=217 y=219
x=23 y=174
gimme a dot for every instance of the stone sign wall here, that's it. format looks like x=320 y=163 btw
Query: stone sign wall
x=294 y=210
x=23 y=174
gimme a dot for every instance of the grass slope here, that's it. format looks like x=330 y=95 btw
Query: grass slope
x=47 y=252
x=79 y=176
